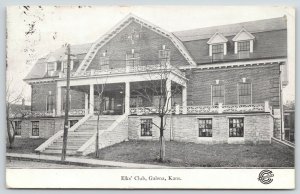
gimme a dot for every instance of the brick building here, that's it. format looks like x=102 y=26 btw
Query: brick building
x=224 y=84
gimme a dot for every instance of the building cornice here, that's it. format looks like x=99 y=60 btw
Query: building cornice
x=235 y=64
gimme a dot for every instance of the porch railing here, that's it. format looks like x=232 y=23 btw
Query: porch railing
x=37 y=114
x=128 y=69
x=207 y=109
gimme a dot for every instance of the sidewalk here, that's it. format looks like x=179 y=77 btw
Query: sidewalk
x=79 y=161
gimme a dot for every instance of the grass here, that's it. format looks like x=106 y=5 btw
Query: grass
x=181 y=154
x=24 y=145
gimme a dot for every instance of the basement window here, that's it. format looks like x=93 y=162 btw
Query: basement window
x=35 y=129
x=205 y=127
x=146 y=127
x=236 y=127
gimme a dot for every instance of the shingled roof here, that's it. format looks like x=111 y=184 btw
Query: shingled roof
x=232 y=29
x=39 y=68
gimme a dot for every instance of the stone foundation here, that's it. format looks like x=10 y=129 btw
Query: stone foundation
x=257 y=128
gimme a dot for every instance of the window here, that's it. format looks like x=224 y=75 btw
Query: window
x=217 y=94
x=133 y=59
x=50 y=68
x=18 y=127
x=58 y=65
x=35 y=128
x=50 y=103
x=164 y=56
x=236 y=127
x=104 y=63
x=244 y=46
x=65 y=65
x=205 y=127
x=217 y=48
x=146 y=127
x=244 y=93
x=72 y=122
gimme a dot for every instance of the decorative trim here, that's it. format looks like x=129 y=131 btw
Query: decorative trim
x=217 y=34
x=234 y=64
x=243 y=30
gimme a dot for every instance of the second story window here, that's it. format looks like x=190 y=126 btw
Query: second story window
x=217 y=94
x=104 y=63
x=244 y=93
x=50 y=102
x=164 y=56
x=244 y=46
x=132 y=59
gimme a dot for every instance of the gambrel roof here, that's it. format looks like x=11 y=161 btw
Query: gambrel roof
x=119 y=27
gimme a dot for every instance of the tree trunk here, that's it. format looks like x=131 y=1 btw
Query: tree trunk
x=97 y=137
x=10 y=134
x=162 y=151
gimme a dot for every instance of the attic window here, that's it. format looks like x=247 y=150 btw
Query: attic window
x=217 y=46
x=243 y=43
x=50 y=68
x=65 y=65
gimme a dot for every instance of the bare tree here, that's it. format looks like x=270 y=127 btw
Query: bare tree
x=12 y=98
x=159 y=85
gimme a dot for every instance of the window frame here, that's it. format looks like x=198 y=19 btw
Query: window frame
x=133 y=61
x=47 y=101
x=212 y=94
x=164 y=55
x=147 y=121
x=218 y=49
x=36 y=128
x=205 y=127
x=239 y=95
x=104 y=63
x=18 y=127
x=52 y=69
x=242 y=128
x=247 y=46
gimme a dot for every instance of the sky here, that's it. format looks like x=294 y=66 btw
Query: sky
x=33 y=32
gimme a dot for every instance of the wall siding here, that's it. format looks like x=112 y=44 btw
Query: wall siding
x=148 y=47
x=264 y=79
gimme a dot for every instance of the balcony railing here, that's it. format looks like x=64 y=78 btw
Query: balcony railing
x=40 y=114
x=128 y=69
x=207 y=109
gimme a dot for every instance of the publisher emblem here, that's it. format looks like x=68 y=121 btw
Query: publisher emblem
x=265 y=176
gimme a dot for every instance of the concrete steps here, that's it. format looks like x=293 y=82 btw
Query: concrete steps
x=84 y=132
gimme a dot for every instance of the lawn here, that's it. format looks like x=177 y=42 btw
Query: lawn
x=181 y=154
x=25 y=145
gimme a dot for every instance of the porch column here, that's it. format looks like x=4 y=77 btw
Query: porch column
x=86 y=103
x=127 y=97
x=168 y=95
x=184 y=100
x=92 y=99
x=58 y=101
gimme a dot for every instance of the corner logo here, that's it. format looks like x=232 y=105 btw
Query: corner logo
x=265 y=176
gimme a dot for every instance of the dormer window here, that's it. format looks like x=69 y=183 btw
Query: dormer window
x=51 y=68
x=243 y=44
x=217 y=47
x=65 y=65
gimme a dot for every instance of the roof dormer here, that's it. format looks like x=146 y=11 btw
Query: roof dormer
x=217 y=40
x=243 y=37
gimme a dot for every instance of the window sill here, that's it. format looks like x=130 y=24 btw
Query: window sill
x=34 y=137
x=236 y=140
x=18 y=136
x=146 y=137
